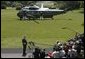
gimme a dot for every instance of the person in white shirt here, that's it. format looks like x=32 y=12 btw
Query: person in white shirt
x=62 y=53
x=47 y=56
x=56 y=54
x=72 y=53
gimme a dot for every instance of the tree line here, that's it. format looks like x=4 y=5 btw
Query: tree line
x=59 y=4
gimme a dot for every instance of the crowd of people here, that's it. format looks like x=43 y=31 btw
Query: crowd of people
x=73 y=48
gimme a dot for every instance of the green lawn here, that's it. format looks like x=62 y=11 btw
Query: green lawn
x=41 y=31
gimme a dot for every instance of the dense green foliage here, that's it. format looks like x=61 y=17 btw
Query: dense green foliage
x=60 y=4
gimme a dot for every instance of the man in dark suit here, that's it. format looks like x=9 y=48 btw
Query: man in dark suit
x=42 y=53
x=36 y=53
x=24 y=43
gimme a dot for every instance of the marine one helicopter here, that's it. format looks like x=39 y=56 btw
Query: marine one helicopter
x=33 y=12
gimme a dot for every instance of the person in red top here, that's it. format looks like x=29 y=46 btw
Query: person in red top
x=50 y=54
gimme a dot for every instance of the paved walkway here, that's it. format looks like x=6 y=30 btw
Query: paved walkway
x=14 y=53
x=17 y=53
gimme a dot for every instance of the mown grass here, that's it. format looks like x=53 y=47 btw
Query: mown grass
x=41 y=31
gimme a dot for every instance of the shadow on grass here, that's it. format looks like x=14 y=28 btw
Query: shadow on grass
x=29 y=20
x=82 y=24
x=63 y=19
x=35 y=20
x=81 y=12
x=64 y=28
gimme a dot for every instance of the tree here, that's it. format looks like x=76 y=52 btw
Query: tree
x=3 y=5
x=69 y=4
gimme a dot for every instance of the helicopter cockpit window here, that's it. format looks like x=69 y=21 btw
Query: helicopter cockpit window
x=25 y=9
x=33 y=8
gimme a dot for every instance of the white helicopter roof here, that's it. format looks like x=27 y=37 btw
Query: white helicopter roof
x=28 y=7
x=36 y=8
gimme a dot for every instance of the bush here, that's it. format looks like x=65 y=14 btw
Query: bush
x=82 y=24
x=3 y=7
x=18 y=8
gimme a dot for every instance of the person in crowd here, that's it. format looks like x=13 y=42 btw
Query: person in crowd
x=42 y=53
x=36 y=53
x=57 y=46
x=56 y=54
x=73 y=48
x=62 y=53
x=50 y=54
x=47 y=56
x=78 y=48
x=66 y=47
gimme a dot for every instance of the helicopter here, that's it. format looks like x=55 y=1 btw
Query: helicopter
x=34 y=11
